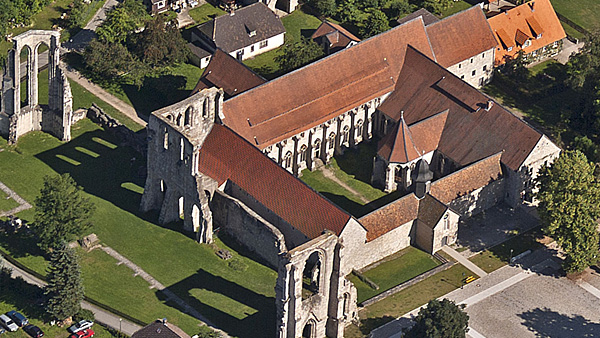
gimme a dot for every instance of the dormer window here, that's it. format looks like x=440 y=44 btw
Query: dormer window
x=250 y=29
x=527 y=44
x=539 y=36
x=509 y=49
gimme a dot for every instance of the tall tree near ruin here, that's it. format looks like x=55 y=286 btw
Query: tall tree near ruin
x=440 y=319
x=569 y=209
x=61 y=212
x=64 y=289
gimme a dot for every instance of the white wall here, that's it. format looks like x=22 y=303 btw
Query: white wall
x=465 y=68
x=272 y=43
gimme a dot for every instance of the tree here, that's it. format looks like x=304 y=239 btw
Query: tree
x=398 y=7
x=160 y=44
x=64 y=289
x=324 y=7
x=515 y=67
x=348 y=12
x=121 y=21
x=298 y=53
x=437 y=6
x=108 y=60
x=440 y=319
x=569 y=195
x=61 y=212
x=375 y=23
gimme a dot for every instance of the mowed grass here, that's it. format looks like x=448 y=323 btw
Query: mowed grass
x=498 y=256
x=7 y=203
x=109 y=175
x=396 y=270
x=411 y=298
x=457 y=6
x=205 y=13
x=582 y=12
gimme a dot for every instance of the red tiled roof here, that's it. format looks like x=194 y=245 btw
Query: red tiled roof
x=328 y=28
x=471 y=132
x=226 y=72
x=322 y=90
x=460 y=36
x=226 y=156
x=409 y=142
x=390 y=216
x=531 y=19
x=468 y=179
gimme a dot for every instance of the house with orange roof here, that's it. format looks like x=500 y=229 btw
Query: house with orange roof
x=532 y=28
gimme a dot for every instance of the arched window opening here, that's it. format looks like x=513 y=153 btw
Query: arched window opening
x=311 y=277
x=179 y=120
x=331 y=141
x=303 y=153
x=196 y=221
x=317 y=149
x=346 y=304
x=308 y=330
x=345 y=134
x=188 y=116
x=205 y=108
x=217 y=100
x=166 y=139
x=359 y=128
x=181 y=213
x=287 y=160
x=181 y=149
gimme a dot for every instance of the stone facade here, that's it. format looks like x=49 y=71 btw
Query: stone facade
x=173 y=184
x=477 y=70
x=57 y=117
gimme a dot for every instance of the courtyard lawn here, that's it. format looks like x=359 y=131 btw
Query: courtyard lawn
x=109 y=175
x=411 y=298
x=393 y=271
x=456 y=7
x=582 y=12
x=7 y=203
x=498 y=256
x=205 y=13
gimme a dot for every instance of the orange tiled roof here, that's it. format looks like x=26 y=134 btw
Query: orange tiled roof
x=324 y=89
x=226 y=156
x=527 y=20
x=409 y=142
x=470 y=132
x=468 y=179
x=460 y=36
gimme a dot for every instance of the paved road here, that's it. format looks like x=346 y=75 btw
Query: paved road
x=102 y=316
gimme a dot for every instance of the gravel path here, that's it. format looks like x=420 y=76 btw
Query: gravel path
x=23 y=203
x=330 y=175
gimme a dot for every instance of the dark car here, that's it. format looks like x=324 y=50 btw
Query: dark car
x=18 y=318
x=33 y=331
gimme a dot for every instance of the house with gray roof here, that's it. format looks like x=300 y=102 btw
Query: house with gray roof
x=243 y=34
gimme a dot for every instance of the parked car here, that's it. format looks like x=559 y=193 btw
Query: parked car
x=87 y=333
x=18 y=318
x=8 y=323
x=33 y=331
x=82 y=325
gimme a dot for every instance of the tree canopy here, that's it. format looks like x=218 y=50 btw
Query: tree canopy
x=64 y=289
x=298 y=53
x=569 y=195
x=440 y=319
x=375 y=23
x=61 y=212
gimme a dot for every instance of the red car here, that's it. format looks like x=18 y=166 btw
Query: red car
x=87 y=333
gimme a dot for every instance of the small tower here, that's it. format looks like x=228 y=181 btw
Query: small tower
x=423 y=179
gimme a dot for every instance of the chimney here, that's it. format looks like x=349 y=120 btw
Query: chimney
x=489 y=105
x=531 y=4
x=164 y=321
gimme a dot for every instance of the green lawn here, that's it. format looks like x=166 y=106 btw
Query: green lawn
x=205 y=13
x=241 y=302
x=7 y=203
x=542 y=67
x=498 y=256
x=456 y=7
x=354 y=169
x=411 y=298
x=582 y=12
x=396 y=270
x=572 y=31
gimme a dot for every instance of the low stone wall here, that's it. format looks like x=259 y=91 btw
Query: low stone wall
x=408 y=283
x=125 y=135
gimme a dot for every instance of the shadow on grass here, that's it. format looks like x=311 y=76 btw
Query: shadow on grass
x=261 y=322
x=20 y=244
x=102 y=167
x=156 y=92
x=369 y=324
x=25 y=297
x=359 y=161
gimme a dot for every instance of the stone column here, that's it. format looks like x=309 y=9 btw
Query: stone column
x=32 y=78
